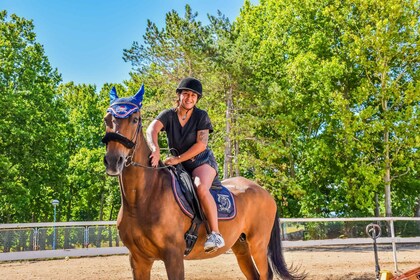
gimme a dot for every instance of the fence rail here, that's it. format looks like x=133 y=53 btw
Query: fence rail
x=35 y=240
x=55 y=236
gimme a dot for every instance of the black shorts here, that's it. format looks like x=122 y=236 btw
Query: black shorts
x=205 y=157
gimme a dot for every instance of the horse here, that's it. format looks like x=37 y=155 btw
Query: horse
x=151 y=223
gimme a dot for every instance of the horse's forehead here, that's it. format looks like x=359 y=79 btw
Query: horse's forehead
x=119 y=123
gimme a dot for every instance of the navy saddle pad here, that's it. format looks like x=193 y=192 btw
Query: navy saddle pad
x=225 y=203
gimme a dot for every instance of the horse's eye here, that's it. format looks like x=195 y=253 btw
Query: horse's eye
x=107 y=121
x=136 y=120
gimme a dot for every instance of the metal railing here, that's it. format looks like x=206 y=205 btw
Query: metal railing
x=18 y=238
x=34 y=240
x=351 y=231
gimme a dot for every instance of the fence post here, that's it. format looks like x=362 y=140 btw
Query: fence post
x=283 y=230
x=394 y=247
x=86 y=239
x=35 y=240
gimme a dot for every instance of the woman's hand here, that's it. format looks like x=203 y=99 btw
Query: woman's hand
x=154 y=158
x=172 y=161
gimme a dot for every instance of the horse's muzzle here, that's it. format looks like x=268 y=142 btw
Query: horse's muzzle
x=114 y=164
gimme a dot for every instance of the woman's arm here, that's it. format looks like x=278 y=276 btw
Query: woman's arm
x=199 y=146
x=152 y=140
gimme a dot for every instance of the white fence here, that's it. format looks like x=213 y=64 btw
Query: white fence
x=75 y=239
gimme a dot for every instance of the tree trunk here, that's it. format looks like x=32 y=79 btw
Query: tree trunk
x=68 y=210
x=237 y=172
x=101 y=210
x=227 y=166
x=292 y=172
x=376 y=205
x=387 y=176
x=417 y=208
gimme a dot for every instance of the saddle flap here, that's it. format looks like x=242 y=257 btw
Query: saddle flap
x=225 y=202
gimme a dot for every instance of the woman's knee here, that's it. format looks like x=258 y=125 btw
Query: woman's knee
x=202 y=191
x=204 y=174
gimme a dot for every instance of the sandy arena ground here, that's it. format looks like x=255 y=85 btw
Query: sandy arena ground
x=319 y=263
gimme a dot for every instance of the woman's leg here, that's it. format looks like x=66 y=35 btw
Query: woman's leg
x=203 y=178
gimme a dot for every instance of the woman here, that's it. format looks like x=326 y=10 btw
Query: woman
x=187 y=130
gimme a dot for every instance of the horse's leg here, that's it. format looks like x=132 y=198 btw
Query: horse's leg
x=174 y=264
x=241 y=251
x=258 y=247
x=140 y=267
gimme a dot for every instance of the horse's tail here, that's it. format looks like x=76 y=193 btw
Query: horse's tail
x=275 y=256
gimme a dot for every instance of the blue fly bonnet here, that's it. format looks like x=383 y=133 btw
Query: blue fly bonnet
x=123 y=107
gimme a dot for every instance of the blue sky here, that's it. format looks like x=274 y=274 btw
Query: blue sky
x=84 y=39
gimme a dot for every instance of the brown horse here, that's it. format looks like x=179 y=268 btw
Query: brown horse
x=152 y=225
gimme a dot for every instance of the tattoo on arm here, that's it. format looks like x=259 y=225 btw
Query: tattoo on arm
x=203 y=136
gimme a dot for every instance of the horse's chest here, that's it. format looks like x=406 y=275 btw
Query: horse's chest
x=132 y=232
x=136 y=225
x=143 y=238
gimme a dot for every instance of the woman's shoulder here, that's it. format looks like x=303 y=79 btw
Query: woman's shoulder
x=168 y=111
x=166 y=114
x=200 y=112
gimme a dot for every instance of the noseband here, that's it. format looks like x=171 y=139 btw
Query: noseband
x=115 y=136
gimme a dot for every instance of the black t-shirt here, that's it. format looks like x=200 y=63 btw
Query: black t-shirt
x=182 y=138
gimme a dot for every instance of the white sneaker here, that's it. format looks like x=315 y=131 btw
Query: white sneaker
x=214 y=242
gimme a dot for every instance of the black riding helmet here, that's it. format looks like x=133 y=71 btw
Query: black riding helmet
x=190 y=84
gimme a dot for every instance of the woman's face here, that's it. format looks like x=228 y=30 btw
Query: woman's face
x=188 y=99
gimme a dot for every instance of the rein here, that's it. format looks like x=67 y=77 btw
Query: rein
x=129 y=161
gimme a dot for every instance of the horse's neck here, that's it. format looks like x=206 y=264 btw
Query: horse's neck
x=142 y=151
x=138 y=180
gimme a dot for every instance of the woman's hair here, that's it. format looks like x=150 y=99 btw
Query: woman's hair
x=177 y=101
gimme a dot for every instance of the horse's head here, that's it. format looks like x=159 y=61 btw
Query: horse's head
x=123 y=123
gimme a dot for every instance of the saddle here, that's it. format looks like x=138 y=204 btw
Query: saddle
x=186 y=197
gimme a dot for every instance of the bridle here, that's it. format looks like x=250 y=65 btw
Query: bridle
x=129 y=144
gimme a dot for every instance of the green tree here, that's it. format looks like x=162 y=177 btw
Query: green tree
x=184 y=47
x=32 y=154
x=90 y=193
x=338 y=97
x=384 y=40
x=170 y=54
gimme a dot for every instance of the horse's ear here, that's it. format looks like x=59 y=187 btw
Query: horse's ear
x=113 y=94
x=138 y=97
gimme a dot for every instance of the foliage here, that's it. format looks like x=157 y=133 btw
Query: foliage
x=90 y=193
x=338 y=95
x=317 y=102
x=184 y=47
x=32 y=154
